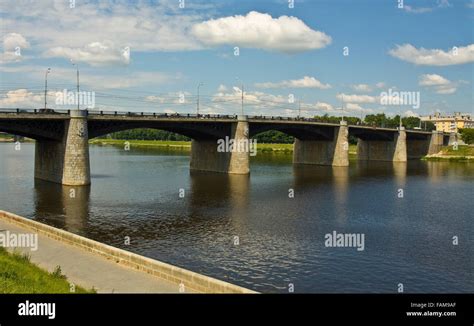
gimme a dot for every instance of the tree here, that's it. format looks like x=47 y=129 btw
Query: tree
x=467 y=135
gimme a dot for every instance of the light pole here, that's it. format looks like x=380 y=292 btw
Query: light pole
x=242 y=89
x=46 y=86
x=77 y=95
x=299 y=106
x=200 y=84
x=342 y=107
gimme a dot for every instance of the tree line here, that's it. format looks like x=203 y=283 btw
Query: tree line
x=273 y=136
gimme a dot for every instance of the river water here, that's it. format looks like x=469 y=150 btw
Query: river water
x=250 y=231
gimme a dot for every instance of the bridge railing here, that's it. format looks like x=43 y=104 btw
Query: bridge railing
x=179 y=115
x=33 y=111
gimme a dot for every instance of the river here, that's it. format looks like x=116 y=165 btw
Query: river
x=250 y=231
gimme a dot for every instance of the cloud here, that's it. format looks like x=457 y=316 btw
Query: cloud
x=433 y=80
x=261 y=31
x=422 y=10
x=93 y=29
x=438 y=83
x=95 y=53
x=13 y=44
x=21 y=98
x=305 y=82
x=354 y=98
x=434 y=57
x=410 y=113
x=361 y=88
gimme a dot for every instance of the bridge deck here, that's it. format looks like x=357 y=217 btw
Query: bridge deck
x=9 y=114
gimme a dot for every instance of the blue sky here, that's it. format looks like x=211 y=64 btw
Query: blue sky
x=284 y=53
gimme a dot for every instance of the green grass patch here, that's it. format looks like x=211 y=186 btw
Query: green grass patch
x=143 y=143
x=19 y=275
x=462 y=150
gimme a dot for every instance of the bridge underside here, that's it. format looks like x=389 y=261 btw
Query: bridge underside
x=62 y=150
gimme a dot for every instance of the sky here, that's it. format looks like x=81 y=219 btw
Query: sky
x=308 y=57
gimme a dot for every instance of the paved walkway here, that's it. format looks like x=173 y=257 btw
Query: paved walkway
x=88 y=270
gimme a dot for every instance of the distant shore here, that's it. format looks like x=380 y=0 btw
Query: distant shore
x=464 y=153
x=186 y=146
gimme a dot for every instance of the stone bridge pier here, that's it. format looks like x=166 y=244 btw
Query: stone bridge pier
x=65 y=161
x=393 y=148
x=331 y=151
x=207 y=155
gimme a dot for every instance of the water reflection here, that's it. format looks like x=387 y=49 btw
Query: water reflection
x=62 y=206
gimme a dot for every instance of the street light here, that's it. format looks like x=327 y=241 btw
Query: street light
x=77 y=95
x=299 y=106
x=242 y=89
x=342 y=108
x=200 y=84
x=46 y=86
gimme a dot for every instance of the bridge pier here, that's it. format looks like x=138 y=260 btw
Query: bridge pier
x=384 y=150
x=66 y=161
x=206 y=155
x=436 y=142
x=333 y=152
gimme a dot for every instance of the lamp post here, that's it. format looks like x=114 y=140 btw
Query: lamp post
x=200 y=84
x=77 y=95
x=46 y=86
x=342 y=119
x=242 y=89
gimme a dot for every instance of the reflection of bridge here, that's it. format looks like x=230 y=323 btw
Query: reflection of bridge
x=62 y=150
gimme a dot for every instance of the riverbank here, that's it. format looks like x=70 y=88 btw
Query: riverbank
x=463 y=153
x=20 y=275
x=184 y=145
x=105 y=268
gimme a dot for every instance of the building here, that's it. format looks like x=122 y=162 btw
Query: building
x=450 y=123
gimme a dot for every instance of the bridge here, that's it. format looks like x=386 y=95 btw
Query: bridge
x=62 y=148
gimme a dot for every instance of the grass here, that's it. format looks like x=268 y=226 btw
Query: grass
x=143 y=143
x=186 y=145
x=462 y=150
x=19 y=275
x=463 y=153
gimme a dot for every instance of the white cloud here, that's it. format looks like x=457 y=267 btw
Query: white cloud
x=432 y=80
x=434 y=57
x=261 y=31
x=362 y=88
x=13 y=45
x=354 y=98
x=305 y=82
x=422 y=10
x=222 y=88
x=86 y=30
x=410 y=113
x=438 y=83
x=380 y=85
x=95 y=54
x=13 y=40
x=21 y=98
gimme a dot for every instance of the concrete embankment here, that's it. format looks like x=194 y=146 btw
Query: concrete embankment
x=105 y=268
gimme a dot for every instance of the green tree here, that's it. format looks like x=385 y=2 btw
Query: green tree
x=467 y=135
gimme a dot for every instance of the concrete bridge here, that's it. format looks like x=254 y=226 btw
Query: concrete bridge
x=62 y=149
